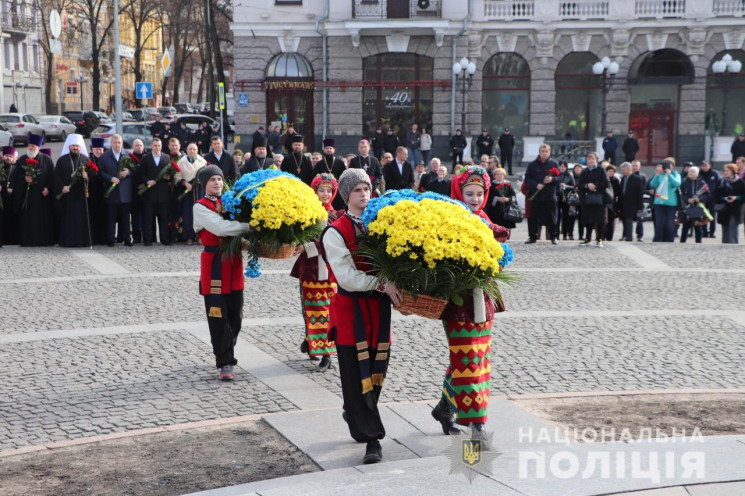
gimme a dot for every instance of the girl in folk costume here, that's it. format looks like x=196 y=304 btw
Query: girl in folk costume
x=221 y=279
x=360 y=317
x=190 y=165
x=316 y=287
x=465 y=389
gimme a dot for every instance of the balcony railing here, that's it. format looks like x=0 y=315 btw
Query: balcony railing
x=12 y=21
x=508 y=10
x=729 y=8
x=583 y=10
x=658 y=9
x=411 y=9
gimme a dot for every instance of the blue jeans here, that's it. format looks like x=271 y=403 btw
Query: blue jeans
x=664 y=223
x=413 y=155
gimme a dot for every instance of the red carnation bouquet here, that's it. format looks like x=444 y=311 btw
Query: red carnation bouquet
x=30 y=168
x=90 y=168
x=169 y=170
x=126 y=162
x=552 y=172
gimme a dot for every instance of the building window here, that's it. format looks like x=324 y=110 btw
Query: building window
x=715 y=86
x=506 y=94
x=401 y=95
x=16 y=57
x=24 y=49
x=578 y=98
x=6 y=54
x=36 y=58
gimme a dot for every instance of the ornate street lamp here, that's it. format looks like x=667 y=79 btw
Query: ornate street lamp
x=465 y=69
x=607 y=69
x=725 y=69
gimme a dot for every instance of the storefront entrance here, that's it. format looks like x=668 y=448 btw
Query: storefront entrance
x=655 y=130
x=292 y=107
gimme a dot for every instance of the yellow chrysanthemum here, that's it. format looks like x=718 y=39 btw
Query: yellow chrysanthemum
x=434 y=231
x=286 y=201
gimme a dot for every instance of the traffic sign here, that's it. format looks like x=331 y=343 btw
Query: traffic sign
x=55 y=23
x=165 y=61
x=144 y=90
x=243 y=99
x=221 y=95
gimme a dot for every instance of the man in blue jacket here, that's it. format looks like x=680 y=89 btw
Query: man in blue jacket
x=120 y=198
x=610 y=145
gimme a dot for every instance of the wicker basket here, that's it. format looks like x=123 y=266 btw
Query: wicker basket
x=423 y=305
x=285 y=251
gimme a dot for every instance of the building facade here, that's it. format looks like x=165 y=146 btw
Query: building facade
x=22 y=78
x=341 y=68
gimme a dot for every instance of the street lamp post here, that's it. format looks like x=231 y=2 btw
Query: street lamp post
x=82 y=79
x=725 y=69
x=109 y=80
x=607 y=69
x=465 y=69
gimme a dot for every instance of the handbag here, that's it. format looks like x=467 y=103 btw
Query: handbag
x=694 y=212
x=594 y=199
x=719 y=207
x=513 y=212
x=572 y=198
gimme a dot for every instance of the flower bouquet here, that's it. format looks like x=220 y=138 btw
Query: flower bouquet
x=282 y=211
x=126 y=162
x=169 y=170
x=31 y=169
x=552 y=172
x=91 y=168
x=433 y=248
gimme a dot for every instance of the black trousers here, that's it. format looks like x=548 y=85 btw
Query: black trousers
x=151 y=211
x=137 y=208
x=544 y=213
x=628 y=229
x=506 y=159
x=363 y=417
x=118 y=213
x=224 y=316
x=457 y=158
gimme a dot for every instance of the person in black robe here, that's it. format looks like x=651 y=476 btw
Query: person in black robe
x=330 y=164
x=259 y=159
x=75 y=228
x=8 y=218
x=297 y=163
x=32 y=197
x=370 y=164
x=97 y=208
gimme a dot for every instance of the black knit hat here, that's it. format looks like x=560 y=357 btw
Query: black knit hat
x=205 y=173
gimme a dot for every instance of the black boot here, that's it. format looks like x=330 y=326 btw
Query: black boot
x=374 y=453
x=304 y=346
x=325 y=363
x=444 y=415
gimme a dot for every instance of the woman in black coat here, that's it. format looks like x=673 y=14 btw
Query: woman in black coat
x=729 y=193
x=575 y=214
x=565 y=226
x=592 y=187
x=614 y=192
x=500 y=194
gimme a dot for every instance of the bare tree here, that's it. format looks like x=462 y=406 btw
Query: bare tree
x=139 y=13
x=183 y=27
x=44 y=8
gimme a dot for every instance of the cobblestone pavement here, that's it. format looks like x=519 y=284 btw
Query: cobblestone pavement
x=579 y=319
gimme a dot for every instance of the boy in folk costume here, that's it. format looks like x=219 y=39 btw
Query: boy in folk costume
x=360 y=317
x=465 y=389
x=316 y=287
x=220 y=280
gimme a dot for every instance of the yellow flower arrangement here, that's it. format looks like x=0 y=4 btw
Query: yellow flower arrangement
x=286 y=202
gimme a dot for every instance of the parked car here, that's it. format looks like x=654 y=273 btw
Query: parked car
x=167 y=112
x=57 y=126
x=193 y=121
x=184 y=108
x=103 y=116
x=85 y=121
x=143 y=114
x=6 y=139
x=130 y=132
x=127 y=117
x=20 y=125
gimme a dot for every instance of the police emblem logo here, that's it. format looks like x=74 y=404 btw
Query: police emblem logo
x=471 y=454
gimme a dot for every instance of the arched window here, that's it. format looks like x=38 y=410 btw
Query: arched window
x=733 y=87
x=289 y=94
x=387 y=99
x=505 y=100
x=579 y=103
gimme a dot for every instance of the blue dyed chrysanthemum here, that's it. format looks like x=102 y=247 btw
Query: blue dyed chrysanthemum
x=508 y=256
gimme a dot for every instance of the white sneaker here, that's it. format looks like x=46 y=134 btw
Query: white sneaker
x=598 y=244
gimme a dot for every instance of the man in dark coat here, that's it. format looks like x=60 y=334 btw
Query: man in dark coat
x=289 y=137
x=738 y=147
x=711 y=178
x=485 y=143
x=220 y=158
x=157 y=198
x=377 y=143
x=258 y=134
x=430 y=175
x=274 y=142
x=369 y=163
x=157 y=128
x=202 y=138
x=457 y=145
x=636 y=169
x=630 y=146
x=297 y=163
x=329 y=163
x=74 y=216
x=120 y=198
x=610 y=145
x=259 y=159
x=96 y=205
x=390 y=141
x=137 y=206
x=398 y=173
x=542 y=188
x=32 y=197
x=506 y=144
x=630 y=202
x=441 y=184
x=592 y=182
x=413 y=142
